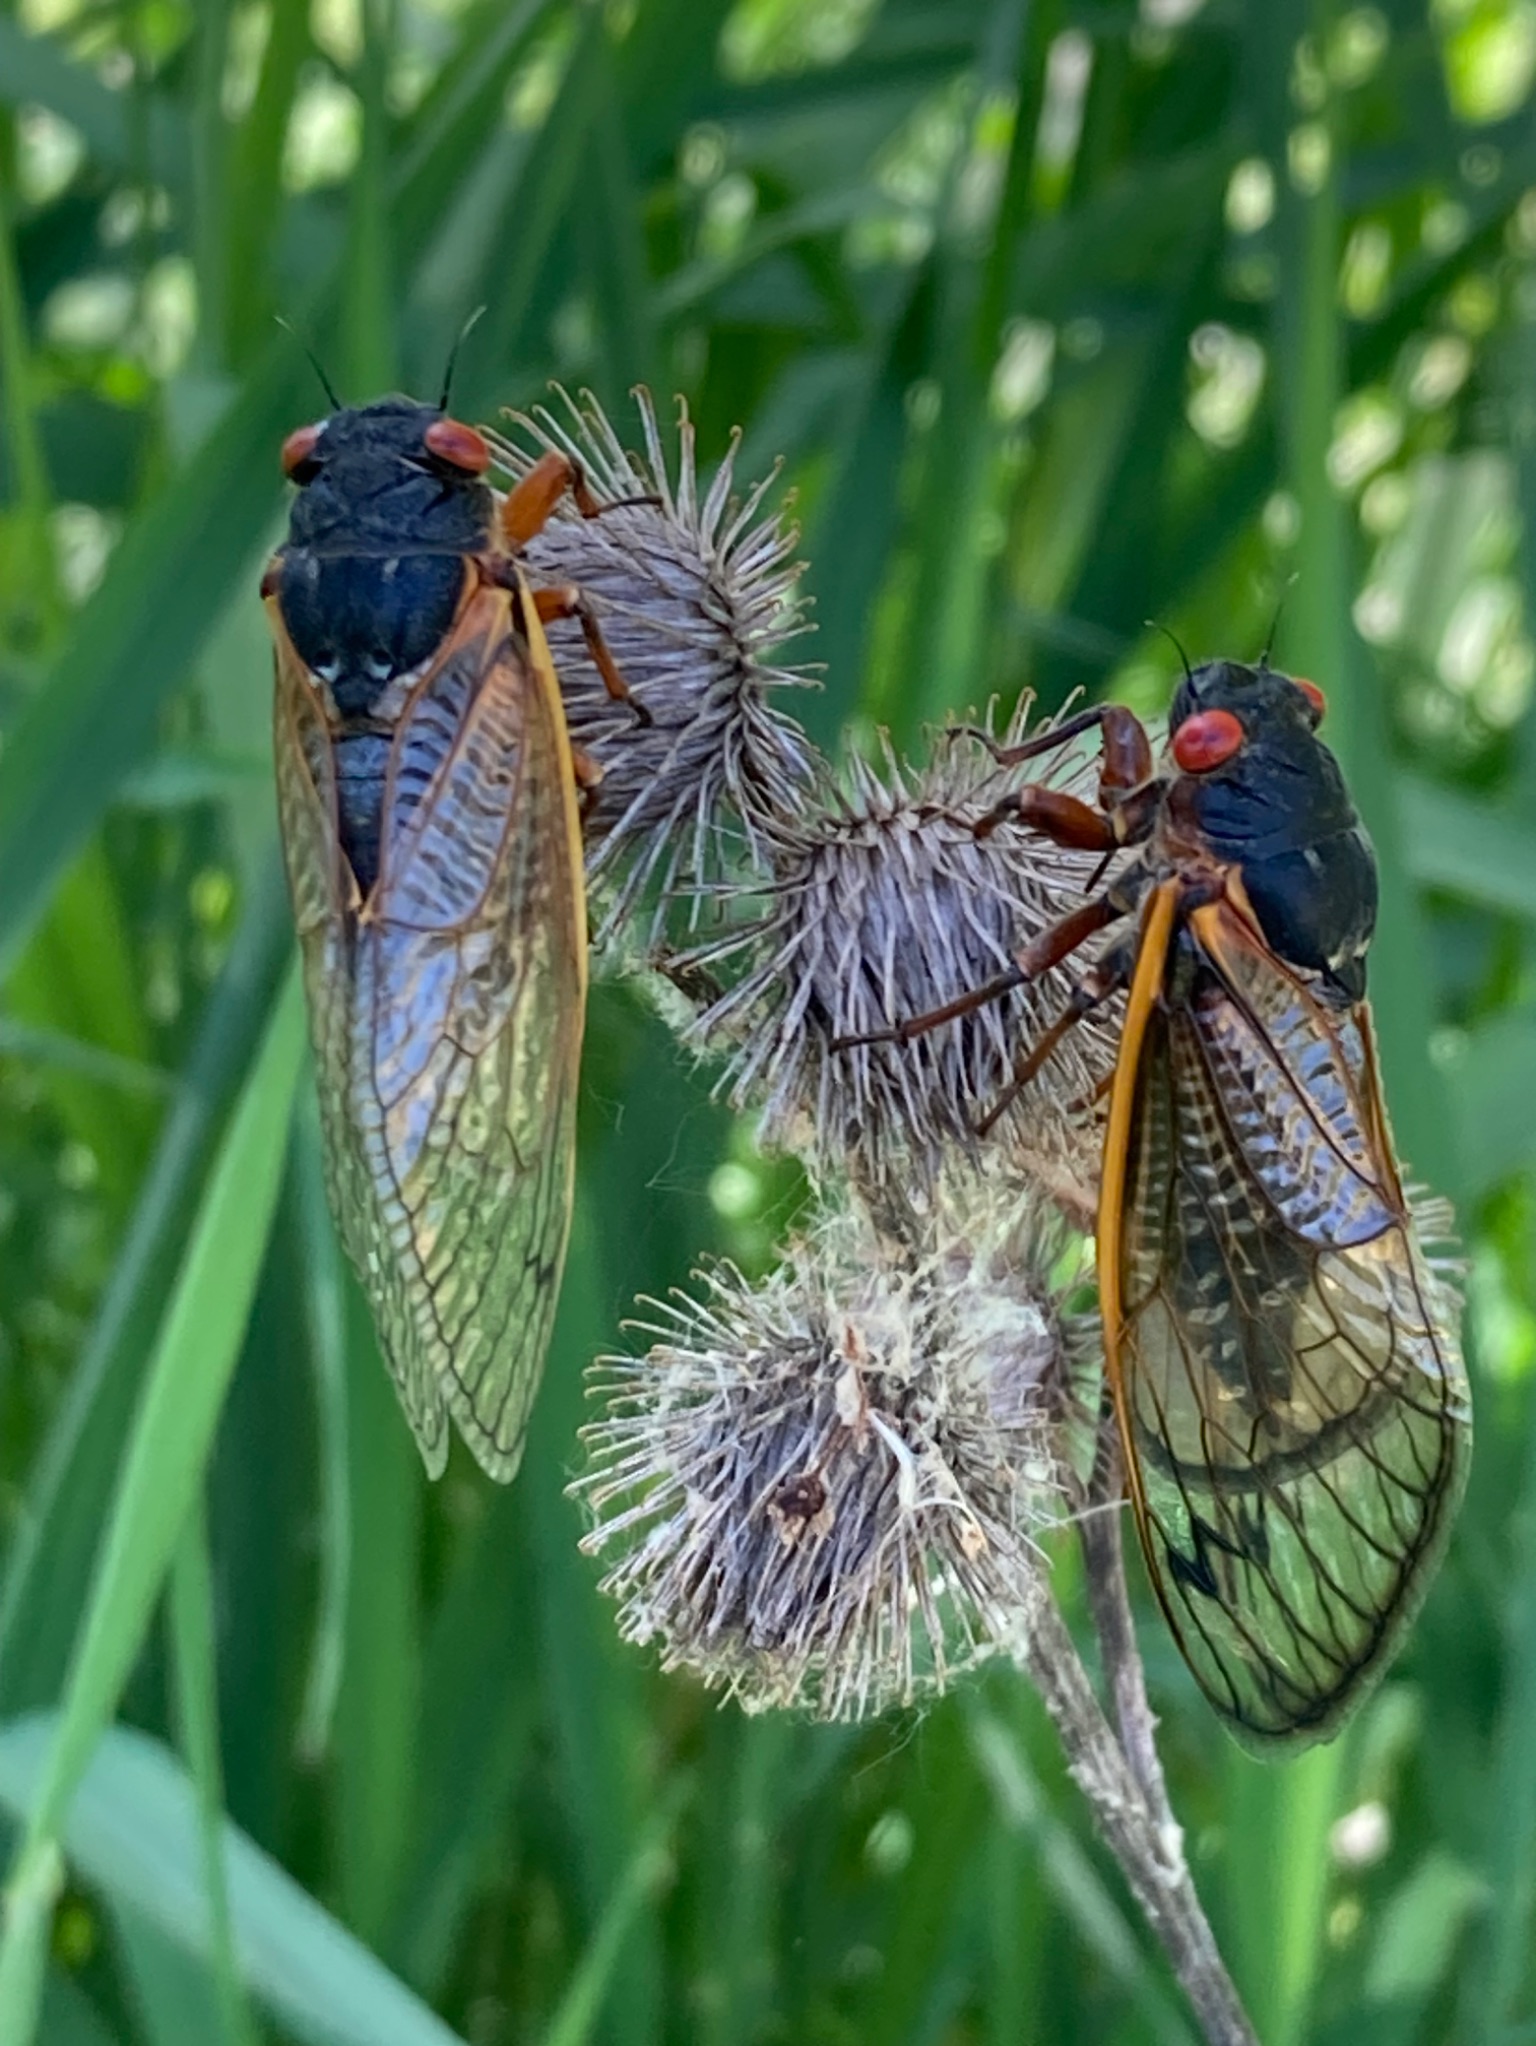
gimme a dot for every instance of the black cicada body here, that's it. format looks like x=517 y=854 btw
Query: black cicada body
x=428 y=801
x=1283 y=1362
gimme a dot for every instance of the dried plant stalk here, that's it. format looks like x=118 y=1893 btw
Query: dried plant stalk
x=1136 y=1823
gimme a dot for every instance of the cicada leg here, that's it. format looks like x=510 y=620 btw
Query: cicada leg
x=1128 y=801
x=529 y=505
x=1127 y=750
x=568 y=600
x=588 y=775
x=1065 y=820
x=1127 y=762
x=1049 y=949
x=525 y=512
x=1128 y=790
x=919 y=1026
x=1095 y=988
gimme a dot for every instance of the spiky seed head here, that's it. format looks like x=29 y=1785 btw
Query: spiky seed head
x=883 y=905
x=695 y=593
x=824 y=1490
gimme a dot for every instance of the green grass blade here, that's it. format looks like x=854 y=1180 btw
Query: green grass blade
x=133 y=1832
x=470 y=1761
x=251 y=222
x=191 y=1617
x=167 y=583
x=34 y=582
x=945 y=1806
x=368 y=299
x=38 y=1045
x=210 y=157
x=1452 y=841
x=35 y=70
x=1490 y=1078
x=1068 y=1874
x=173 y=1431
x=69 y=2017
x=747 y=1798
x=374 y=1745
x=171 y=1992
x=79 y=975
x=1496 y=1987
x=540 y=202
x=858 y=520
x=50 y=1563
x=1281 y=1813
x=325 y=1294
x=30 y=1897
x=576 y=2018
x=593 y=1706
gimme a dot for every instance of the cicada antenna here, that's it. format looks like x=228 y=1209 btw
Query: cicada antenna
x=453 y=354
x=1274 y=623
x=1157 y=625
x=314 y=361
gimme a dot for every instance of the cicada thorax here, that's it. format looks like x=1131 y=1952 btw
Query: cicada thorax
x=390 y=521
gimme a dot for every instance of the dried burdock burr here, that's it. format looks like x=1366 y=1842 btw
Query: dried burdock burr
x=695 y=591
x=824 y=1490
x=893 y=893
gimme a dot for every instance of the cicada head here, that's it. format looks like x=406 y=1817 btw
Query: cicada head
x=393 y=477
x=1261 y=698
x=391 y=499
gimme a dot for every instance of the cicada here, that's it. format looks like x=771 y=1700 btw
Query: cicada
x=428 y=799
x=1282 y=1358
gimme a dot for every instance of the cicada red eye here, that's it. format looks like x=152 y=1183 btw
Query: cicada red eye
x=1314 y=696
x=451 y=441
x=1207 y=740
x=298 y=448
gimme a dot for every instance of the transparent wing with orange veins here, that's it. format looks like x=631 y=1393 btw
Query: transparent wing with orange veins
x=446 y=1014
x=1288 y=1372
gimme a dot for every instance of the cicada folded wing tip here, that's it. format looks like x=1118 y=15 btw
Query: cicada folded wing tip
x=1288 y=1377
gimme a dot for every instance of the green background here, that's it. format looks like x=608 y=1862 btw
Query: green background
x=1063 y=314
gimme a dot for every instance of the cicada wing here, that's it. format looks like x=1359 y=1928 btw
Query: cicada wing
x=472 y=987
x=1288 y=1374
x=325 y=907
x=449 y=1039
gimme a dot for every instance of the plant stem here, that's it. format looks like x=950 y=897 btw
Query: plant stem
x=1128 y=1798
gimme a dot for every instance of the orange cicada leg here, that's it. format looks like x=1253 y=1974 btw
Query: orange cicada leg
x=530 y=504
x=568 y=600
x=1049 y=949
x=1129 y=793
x=525 y=512
x=1128 y=803
x=1127 y=762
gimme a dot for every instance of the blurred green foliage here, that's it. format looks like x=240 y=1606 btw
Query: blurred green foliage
x=1063 y=314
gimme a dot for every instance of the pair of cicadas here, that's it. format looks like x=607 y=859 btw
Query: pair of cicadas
x=428 y=796
x=1281 y=1358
